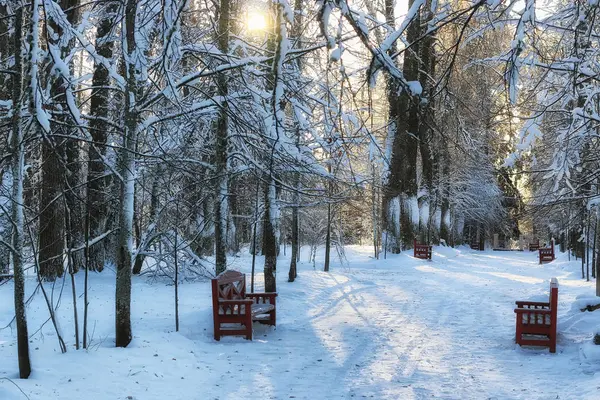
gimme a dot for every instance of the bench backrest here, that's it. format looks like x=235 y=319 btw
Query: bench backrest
x=421 y=250
x=229 y=285
x=475 y=246
x=553 y=299
x=546 y=253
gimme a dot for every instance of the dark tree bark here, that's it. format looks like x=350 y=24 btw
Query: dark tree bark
x=153 y=219
x=17 y=165
x=6 y=49
x=392 y=186
x=426 y=110
x=406 y=127
x=296 y=35
x=222 y=132
x=329 y=219
x=270 y=249
x=269 y=245
x=293 y=273
x=52 y=220
x=127 y=172
x=59 y=155
x=98 y=180
x=596 y=265
x=74 y=195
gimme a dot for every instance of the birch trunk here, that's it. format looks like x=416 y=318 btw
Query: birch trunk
x=17 y=165
x=127 y=171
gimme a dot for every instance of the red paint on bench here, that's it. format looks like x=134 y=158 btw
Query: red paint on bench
x=536 y=321
x=233 y=306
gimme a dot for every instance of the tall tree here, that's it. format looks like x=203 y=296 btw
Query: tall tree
x=17 y=148
x=98 y=178
x=400 y=197
x=275 y=132
x=222 y=132
x=59 y=151
x=296 y=35
x=126 y=166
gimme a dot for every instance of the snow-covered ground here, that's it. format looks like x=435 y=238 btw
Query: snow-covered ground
x=390 y=329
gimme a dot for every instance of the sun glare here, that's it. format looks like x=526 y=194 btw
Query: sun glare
x=257 y=22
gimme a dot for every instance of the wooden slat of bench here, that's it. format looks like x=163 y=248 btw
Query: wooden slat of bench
x=521 y=303
x=534 y=342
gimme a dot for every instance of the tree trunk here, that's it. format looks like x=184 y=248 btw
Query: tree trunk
x=127 y=172
x=426 y=109
x=295 y=247
x=297 y=35
x=66 y=126
x=221 y=181
x=275 y=85
x=269 y=246
x=597 y=263
x=98 y=180
x=17 y=165
x=401 y=182
x=6 y=50
x=153 y=212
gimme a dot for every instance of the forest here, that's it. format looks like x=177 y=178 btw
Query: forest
x=165 y=139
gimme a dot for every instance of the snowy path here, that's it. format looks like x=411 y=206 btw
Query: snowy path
x=394 y=329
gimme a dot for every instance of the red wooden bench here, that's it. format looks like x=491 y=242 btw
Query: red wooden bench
x=536 y=321
x=476 y=246
x=233 y=306
x=422 y=251
x=534 y=246
x=547 y=253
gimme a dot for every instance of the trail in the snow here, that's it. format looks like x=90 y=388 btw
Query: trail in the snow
x=393 y=329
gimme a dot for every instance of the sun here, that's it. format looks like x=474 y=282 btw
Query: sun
x=256 y=22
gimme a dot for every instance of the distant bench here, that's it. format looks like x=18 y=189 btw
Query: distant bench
x=422 y=251
x=476 y=246
x=546 y=254
x=536 y=321
x=5 y=277
x=232 y=305
x=534 y=246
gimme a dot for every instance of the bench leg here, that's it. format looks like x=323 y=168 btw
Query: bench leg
x=273 y=319
x=518 y=333
x=217 y=331
x=248 y=324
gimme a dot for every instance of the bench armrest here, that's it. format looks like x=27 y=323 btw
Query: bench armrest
x=532 y=311
x=273 y=294
x=235 y=302
x=522 y=303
